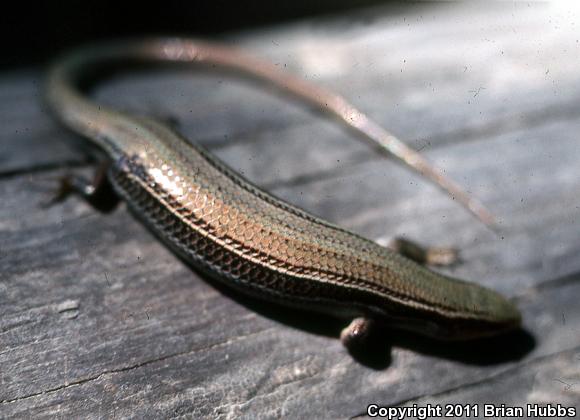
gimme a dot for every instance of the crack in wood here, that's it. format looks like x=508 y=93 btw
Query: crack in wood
x=53 y=166
x=134 y=367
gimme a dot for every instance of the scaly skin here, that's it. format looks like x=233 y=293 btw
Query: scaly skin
x=256 y=243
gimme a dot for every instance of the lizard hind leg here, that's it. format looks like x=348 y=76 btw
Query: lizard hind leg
x=98 y=192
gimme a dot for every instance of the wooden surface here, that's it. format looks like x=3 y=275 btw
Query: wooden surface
x=99 y=320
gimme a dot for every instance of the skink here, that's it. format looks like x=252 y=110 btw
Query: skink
x=260 y=245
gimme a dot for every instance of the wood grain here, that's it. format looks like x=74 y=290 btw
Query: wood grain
x=97 y=319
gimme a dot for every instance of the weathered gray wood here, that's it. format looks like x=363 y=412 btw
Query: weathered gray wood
x=97 y=319
x=392 y=73
x=548 y=379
